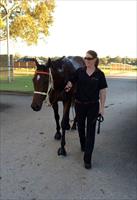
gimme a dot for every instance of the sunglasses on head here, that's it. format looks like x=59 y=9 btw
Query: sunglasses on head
x=88 y=58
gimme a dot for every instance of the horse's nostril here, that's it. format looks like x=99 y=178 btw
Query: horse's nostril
x=32 y=106
x=37 y=107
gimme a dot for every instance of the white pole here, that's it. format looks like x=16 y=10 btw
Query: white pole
x=8 y=52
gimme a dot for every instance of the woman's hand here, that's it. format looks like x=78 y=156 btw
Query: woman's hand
x=102 y=94
x=68 y=86
x=101 y=111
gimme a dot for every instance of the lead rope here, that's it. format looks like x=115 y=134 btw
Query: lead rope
x=50 y=87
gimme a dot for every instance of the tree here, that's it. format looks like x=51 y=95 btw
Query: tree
x=28 y=19
x=117 y=59
x=105 y=60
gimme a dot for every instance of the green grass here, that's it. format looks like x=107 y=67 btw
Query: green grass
x=20 y=83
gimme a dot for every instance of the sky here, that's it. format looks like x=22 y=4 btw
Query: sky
x=106 y=26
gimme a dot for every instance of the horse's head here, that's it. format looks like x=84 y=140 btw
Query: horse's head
x=40 y=83
x=54 y=75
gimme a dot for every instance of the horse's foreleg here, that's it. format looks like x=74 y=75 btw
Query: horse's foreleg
x=64 y=123
x=61 y=150
x=56 y=115
x=65 y=120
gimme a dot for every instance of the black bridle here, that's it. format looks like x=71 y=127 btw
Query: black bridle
x=99 y=119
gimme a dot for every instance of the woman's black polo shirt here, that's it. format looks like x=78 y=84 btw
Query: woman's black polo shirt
x=88 y=87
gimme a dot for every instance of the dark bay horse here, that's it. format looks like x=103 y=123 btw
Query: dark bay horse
x=49 y=82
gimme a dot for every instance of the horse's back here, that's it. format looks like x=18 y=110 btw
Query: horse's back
x=76 y=61
x=69 y=65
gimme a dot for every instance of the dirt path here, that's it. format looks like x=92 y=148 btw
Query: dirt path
x=31 y=169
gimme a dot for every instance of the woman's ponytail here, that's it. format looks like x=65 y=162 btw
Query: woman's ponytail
x=97 y=63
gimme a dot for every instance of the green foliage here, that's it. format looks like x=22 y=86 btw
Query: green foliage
x=28 y=19
x=1 y=23
x=26 y=29
x=126 y=60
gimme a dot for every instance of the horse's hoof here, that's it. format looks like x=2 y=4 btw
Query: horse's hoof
x=62 y=152
x=57 y=136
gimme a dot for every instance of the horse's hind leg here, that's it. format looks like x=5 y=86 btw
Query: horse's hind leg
x=74 y=125
x=56 y=115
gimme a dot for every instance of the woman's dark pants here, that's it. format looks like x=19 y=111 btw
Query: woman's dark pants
x=87 y=113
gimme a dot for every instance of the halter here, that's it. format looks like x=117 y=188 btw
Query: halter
x=41 y=72
x=42 y=93
x=50 y=84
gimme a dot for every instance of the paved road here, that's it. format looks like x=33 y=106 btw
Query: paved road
x=31 y=169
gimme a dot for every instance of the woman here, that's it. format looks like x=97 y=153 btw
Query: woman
x=90 y=99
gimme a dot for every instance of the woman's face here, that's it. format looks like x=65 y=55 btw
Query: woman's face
x=89 y=60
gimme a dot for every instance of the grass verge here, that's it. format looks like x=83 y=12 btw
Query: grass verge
x=23 y=83
x=19 y=84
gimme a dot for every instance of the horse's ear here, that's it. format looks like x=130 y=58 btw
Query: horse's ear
x=62 y=57
x=49 y=62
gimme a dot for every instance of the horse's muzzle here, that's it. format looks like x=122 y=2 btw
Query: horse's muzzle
x=36 y=107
